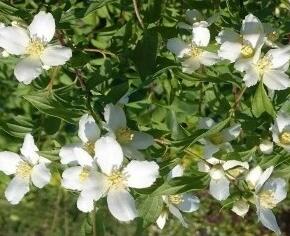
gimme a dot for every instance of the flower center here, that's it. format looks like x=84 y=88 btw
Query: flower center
x=90 y=148
x=195 y=51
x=263 y=64
x=84 y=175
x=267 y=199
x=273 y=36
x=116 y=179
x=285 y=138
x=23 y=170
x=247 y=51
x=35 y=48
x=175 y=199
x=216 y=138
x=124 y=135
x=235 y=172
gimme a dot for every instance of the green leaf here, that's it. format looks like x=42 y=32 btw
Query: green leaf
x=261 y=102
x=18 y=126
x=52 y=155
x=51 y=125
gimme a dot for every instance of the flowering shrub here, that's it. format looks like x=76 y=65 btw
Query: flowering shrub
x=145 y=112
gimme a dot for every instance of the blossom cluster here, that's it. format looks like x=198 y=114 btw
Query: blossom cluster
x=110 y=160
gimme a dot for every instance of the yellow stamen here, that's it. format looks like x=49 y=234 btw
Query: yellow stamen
x=117 y=179
x=175 y=199
x=35 y=48
x=124 y=135
x=247 y=51
x=84 y=175
x=285 y=138
x=23 y=170
x=263 y=64
x=90 y=148
x=273 y=36
x=217 y=138
x=267 y=199
x=195 y=51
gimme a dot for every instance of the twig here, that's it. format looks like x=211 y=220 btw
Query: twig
x=88 y=95
x=93 y=215
x=137 y=13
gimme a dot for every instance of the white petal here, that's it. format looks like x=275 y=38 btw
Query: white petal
x=205 y=123
x=89 y=131
x=29 y=149
x=251 y=77
x=200 y=36
x=253 y=176
x=266 y=147
x=193 y=15
x=177 y=171
x=40 y=175
x=55 y=55
x=252 y=30
x=174 y=211
x=42 y=26
x=108 y=154
x=190 y=203
x=121 y=205
x=85 y=203
x=161 y=221
x=282 y=120
x=203 y=166
x=183 y=25
x=115 y=117
x=190 y=65
x=242 y=64
x=233 y=163
x=230 y=51
x=9 y=162
x=263 y=178
x=276 y=80
x=67 y=154
x=268 y=219
x=141 y=140
x=83 y=158
x=232 y=132
x=27 y=70
x=227 y=35
x=16 y=190
x=132 y=153
x=178 y=47
x=71 y=178
x=241 y=208
x=219 y=188
x=14 y=40
x=141 y=174
x=208 y=58
x=278 y=186
x=279 y=57
x=209 y=150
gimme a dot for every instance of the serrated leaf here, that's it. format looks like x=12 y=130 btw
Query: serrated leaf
x=18 y=126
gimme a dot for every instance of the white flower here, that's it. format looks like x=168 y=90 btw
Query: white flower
x=116 y=180
x=194 y=55
x=185 y=202
x=130 y=140
x=281 y=130
x=271 y=36
x=221 y=172
x=88 y=132
x=193 y=18
x=32 y=43
x=27 y=168
x=82 y=178
x=241 y=48
x=266 y=147
x=268 y=193
x=218 y=140
x=270 y=69
x=241 y=207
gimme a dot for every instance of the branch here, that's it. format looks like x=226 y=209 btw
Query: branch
x=137 y=13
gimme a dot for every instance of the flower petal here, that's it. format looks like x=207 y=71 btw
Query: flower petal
x=230 y=51
x=67 y=154
x=282 y=120
x=251 y=77
x=193 y=15
x=9 y=162
x=268 y=219
x=227 y=35
x=141 y=174
x=161 y=220
x=95 y=186
x=200 y=35
x=55 y=55
x=219 y=188
x=231 y=133
x=252 y=30
x=29 y=149
x=83 y=158
x=253 y=176
x=141 y=140
x=279 y=57
x=121 y=205
x=132 y=153
x=241 y=208
x=208 y=58
x=276 y=80
x=115 y=117
x=174 y=211
x=16 y=190
x=278 y=186
x=234 y=163
x=89 y=131
x=14 y=40
x=190 y=203
x=85 y=203
x=40 y=175
x=178 y=47
x=266 y=147
x=263 y=178
x=242 y=64
x=108 y=154
x=190 y=65
x=27 y=70
x=42 y=26
x=177 y=171
x=71 y=178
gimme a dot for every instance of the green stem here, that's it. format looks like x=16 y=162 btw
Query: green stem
x=93 y=218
